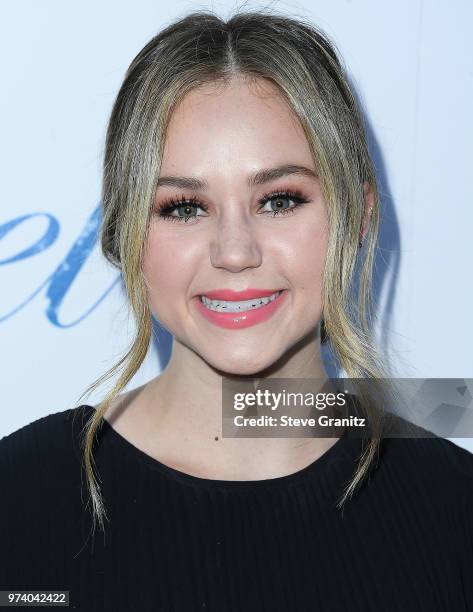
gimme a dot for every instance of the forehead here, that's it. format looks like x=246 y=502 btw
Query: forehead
x=242 y=123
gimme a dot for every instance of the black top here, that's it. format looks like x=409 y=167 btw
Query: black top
x=179 y=543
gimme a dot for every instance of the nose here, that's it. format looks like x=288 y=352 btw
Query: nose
x=235 y=245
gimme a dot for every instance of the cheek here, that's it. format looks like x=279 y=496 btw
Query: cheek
x=167 y=268
x=304 y=255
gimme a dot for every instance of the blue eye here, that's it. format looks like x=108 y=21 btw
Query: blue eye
x=188 y=206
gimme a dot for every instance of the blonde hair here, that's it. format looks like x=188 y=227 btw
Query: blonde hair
x=301 y=61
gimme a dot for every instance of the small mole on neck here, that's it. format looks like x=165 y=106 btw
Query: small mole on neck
x=216 y=437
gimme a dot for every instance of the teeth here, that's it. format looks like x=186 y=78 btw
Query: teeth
x=224 y=306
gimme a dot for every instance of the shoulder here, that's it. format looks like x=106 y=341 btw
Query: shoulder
x=44 y=450
x=427 y=462
x=42 y=513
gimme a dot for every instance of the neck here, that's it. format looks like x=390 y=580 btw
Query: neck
x=178 y=418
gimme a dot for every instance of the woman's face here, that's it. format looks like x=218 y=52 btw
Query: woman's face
x=224 y=137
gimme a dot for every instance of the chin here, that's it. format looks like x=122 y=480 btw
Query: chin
x=240 y=366
x=240 y=371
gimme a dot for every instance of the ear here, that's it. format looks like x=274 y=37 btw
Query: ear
x=369 y=204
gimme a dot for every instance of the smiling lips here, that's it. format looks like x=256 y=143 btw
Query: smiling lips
x=239 y=309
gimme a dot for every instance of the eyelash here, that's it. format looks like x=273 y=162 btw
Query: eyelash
x=168 y=206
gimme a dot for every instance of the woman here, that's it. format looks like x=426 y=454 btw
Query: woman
x=236 y=167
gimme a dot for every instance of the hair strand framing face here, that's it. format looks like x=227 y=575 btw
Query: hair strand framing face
x=300 y=60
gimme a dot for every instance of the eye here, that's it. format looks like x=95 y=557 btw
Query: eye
x=183 y=209
x=277 y=202
x=186 y=206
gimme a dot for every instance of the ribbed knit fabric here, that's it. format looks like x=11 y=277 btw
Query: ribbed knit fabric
x=179 y=543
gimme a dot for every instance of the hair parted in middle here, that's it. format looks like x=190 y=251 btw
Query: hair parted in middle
x=302 y=62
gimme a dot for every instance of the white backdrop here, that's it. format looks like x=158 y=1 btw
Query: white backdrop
x=63 y=317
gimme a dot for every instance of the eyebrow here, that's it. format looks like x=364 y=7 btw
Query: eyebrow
x=258 y=178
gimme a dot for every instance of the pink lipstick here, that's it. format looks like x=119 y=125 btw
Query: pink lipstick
x=239 y=309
